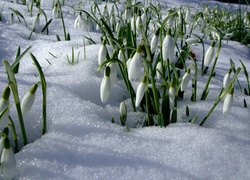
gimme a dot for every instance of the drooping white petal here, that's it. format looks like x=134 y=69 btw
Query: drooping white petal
x=226 y=80
x=134 y=67
x=102 y=54
x=168 y=48
x=140 y=93
x=158 y=68
x=227 y=104
x=154 y=43
x=185 y=80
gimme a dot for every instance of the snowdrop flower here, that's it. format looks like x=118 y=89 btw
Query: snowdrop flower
x=154 y=41
x=55 y=11
x=140 y=91
x=105 y=85
x=28 y=99
x=185 y=79
x=139 y=24
x=135 y=65
x=127 y=14
x=123 y=113
x=191 y=41
x=16 y=1
x=171 y=95
x=209 y=55
x=4 y=102
x=168 y=47
x=226 y=78
x=78 y=22
x=228 y=102
x=12 y=18
x=8 y=161
x=120 y=56
x=36 y=22
x=102 y=53
x=118 y=26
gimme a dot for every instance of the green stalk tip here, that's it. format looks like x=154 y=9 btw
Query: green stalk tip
x=33 y=88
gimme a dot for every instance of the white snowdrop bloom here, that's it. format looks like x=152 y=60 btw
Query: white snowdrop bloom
x=185 y=79
x=140 y=91
x=28 y=99
x=105 y=12
x=144 y=19
x=4 y=102
x=102 y=53
x=227 y=105
x=133 y=24
x=192 y=41
x=12 y=18
x=112 y=11
x=135 y=65
x=105 y=85
x=36 y=23
x=159 y=68
x=226 y=78
x=16 y=1
x=171 y=95
x=139 y=25
x=168 y=47
x=118 y=26
x=8 y=161
x=78 y=22
x=210 y=54
x=120 y=56
x=154 y=41
x=127 y=14
x=55 y=11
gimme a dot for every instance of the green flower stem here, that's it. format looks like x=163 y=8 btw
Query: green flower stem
x=44 y=89
x=13 y=86
x=223 y=94
x=203 y=52
x=14 y=135
x=246 y=75
x=66 y=38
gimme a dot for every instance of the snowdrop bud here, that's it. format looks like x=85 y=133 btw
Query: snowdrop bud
x=118 y=26
x=127 y=14
x=4 y=102
x=8 y=161
x=28 y=99
x=123 y=113
x=12 y=18
x=105 y=85
x=191 y=41
x=102 y=53
x=140 y=91
x=36 y=22
x=226 y=78
x=228 y=102
x=209 y=55
x=154 y=41
x=185 y=79
x=171 y=95
x=135 y=65
x=168 y=47
x=120 y=56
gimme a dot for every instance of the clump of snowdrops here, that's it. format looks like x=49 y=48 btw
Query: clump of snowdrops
x=23 y=107
x=152 y=53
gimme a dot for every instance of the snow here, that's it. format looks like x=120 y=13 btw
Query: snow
x=82 y=143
